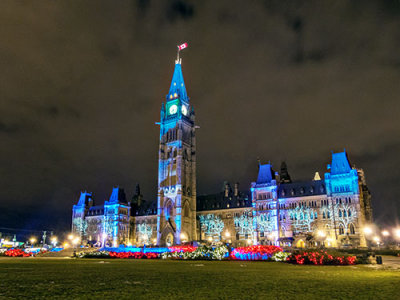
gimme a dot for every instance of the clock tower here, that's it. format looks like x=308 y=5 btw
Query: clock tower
x=176 y=203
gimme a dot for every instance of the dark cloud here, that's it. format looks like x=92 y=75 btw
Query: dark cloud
x=81 y=85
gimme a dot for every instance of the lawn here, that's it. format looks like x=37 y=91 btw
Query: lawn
x=166 y=279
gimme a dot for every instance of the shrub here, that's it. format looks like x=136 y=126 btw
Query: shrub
x=280 y=256
x=320 y=258
x=200 y=253
x=16 y=253
x=260 y=252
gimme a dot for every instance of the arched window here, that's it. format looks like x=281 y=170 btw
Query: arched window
x=351 y=229
x=187 y=210
x=349 y=213
x=340 y=213
x=341 y=229
x=323 y=215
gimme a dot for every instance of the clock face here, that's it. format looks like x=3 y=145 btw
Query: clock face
x=184 y=110
x=173 y=109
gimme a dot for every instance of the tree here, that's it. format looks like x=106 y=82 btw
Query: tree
x=345 y=214
x=302 y=218
x=265 y=222
x=244 y=223
x=80 y=226
x=211 y=224
x=145 y=232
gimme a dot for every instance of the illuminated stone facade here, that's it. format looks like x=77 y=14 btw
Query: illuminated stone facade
x=330 y=211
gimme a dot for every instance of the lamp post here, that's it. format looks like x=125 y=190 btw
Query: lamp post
x=54 y=241
x=32 y=240
x=75 y=242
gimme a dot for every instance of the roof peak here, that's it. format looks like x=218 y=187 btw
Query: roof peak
x=177 y=88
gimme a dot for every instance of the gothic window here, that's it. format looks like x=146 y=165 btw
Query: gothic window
x=349 y=213
x=315 y=215
x=187 y=210
x=349 y=200
x=341 y=229
x=237 y=236
x=340 y=213
x=351 y=229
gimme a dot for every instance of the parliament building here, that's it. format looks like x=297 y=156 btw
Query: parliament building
x=330 y=212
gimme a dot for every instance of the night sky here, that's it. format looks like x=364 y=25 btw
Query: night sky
x=82 y=82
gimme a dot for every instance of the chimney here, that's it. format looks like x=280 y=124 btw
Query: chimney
x=236 y=191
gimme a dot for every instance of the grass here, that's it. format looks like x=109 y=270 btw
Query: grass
x=166 y=279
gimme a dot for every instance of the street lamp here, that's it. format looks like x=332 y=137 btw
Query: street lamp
x=54 y=241
x=377 y=240
x=367 y=230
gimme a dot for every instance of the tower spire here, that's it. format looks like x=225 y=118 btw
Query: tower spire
x=177 y=88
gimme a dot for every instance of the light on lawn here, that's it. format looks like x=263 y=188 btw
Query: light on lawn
x=227 y=234
x=32 y=240
x=385 y=233
x=54 y=239
x=71 y=237
x=75 y=241
x=129 y=244
x=376 y=239
x=66 y=245
x=209 y=238
x=249 y=241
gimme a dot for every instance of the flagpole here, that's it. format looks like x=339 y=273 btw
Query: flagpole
x=177 y=55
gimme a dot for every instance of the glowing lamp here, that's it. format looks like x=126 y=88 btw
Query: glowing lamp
x=321 y=233
x=385 y=233
x=71 y=237
x=104 y=235
x=367 y=230
x=209 y=238
x=32 y=240
x=227 y=234
x=376 y=239
x=75 y=241
x=397 y=233
x=249 y=241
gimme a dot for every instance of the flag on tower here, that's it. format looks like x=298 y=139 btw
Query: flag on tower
x=183 y=46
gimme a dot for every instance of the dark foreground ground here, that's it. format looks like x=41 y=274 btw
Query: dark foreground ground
x=160 y=279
